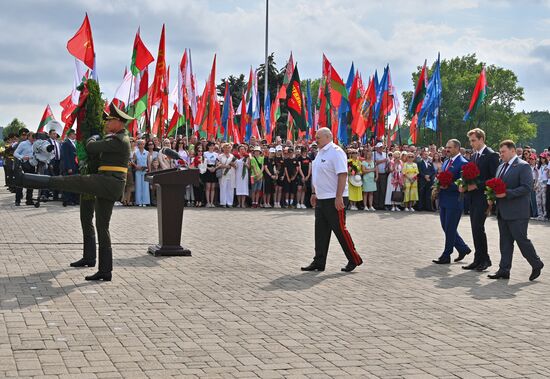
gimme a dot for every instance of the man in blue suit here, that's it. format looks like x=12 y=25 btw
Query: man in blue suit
x=451 y=206
x=68 y=165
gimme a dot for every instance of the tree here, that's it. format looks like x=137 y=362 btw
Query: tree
x=237 y=85
x=542 y=140
x=497 y=116
x=13 y=127
x=274 y=77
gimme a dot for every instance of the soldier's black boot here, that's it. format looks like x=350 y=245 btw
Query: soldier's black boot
x=105 y=276
x=88 y=258
x=105 y=265
x=35 y=181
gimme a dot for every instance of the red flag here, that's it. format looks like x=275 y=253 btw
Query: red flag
x=243 y=116
x=159 y=85
x=81 y=46
x=413 y=129
x=212 y=99
x=141 y=57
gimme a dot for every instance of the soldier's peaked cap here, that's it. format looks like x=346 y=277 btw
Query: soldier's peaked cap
x=116 y=113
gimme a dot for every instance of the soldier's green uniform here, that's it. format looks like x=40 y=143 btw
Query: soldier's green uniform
x=107 y=186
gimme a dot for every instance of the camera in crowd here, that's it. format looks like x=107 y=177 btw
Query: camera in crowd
x=43 y=150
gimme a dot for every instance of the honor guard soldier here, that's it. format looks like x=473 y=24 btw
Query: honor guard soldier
x=107 y=185
x=329 y=194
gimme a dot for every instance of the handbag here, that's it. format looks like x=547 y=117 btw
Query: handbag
x=397 y=196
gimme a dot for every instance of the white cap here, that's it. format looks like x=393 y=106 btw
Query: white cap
x=279 y=148
x=54 y=125
x=272 y=150
x=379 y=144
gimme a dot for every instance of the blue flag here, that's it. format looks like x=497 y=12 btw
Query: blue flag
x=225 y=111
x=309 y=108
x=267 y=113
x=432 y=101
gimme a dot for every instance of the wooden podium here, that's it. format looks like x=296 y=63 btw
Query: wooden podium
x=170 y=185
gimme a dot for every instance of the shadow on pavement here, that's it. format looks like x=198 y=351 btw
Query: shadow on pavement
x=19 y=292
x=496 y=289
x=301 y=282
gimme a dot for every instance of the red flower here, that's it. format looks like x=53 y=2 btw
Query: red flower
x=445 y=178
x=470 y=171
x=497 y=185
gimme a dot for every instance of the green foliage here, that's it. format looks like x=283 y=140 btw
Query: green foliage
x=542 y=139
x=91 y=124
x=13 y=127
x=496 y=116
x=237 y=85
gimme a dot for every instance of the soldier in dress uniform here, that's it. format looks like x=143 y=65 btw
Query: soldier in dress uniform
x=107 y=185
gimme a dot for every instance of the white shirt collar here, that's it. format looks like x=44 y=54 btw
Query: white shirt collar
x=482 y=149
x=455 y=157
x=327 y=146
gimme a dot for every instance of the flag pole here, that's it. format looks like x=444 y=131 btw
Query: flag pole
x=266 y=49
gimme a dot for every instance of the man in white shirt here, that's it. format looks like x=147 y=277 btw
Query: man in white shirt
x=329 y=195
x=23 y=154
x=381 y=161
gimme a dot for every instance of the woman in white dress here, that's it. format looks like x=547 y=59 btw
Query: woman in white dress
x=226 y=163
x=242 y=169
x=395 y=180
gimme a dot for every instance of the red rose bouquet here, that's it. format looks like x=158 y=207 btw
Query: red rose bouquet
x=493 y=187
x=468 y=176
x=442 y=180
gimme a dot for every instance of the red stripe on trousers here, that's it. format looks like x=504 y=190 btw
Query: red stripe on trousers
x=347 y=237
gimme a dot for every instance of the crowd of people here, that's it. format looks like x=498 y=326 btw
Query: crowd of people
x=272 y=175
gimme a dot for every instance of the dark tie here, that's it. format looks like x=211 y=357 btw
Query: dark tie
x=476 y=157
x=501 y=175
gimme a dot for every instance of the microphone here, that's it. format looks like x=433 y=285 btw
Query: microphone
x=170 y=153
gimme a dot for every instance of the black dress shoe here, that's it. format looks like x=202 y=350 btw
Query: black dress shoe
x=442 y=260
x=105 y=276
x=462 y=255
x=499 y=275
x=472 y=266
x=483 y=266
x=83 y=263
x=535 y=273
x=29 y=202
x=313 y=267
x=349 y=267
x=17 y=203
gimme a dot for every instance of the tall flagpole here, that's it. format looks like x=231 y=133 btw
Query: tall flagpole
x=266 y=66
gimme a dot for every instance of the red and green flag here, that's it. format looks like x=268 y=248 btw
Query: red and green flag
x=419 y=92
x=141 y=57
x=294 y=101
x=46 y=117
x=480 y=92
x=336 y=84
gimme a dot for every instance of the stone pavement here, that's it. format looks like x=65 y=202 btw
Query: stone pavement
x=240 y=307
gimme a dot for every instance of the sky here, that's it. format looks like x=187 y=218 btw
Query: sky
x=36 y=68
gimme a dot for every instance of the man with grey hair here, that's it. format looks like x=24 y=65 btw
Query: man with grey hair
x=451 y=206
x=329 y=193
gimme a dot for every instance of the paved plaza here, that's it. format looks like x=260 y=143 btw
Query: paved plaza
x=241 y=307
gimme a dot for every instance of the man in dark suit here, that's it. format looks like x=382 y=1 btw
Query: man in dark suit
x=513 y=212
x=68 y=165
x=451 y=206
x=487 y=162
x=425 y=180
x=54 y=167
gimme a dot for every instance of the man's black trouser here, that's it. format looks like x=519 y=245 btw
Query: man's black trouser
x=327 y=220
